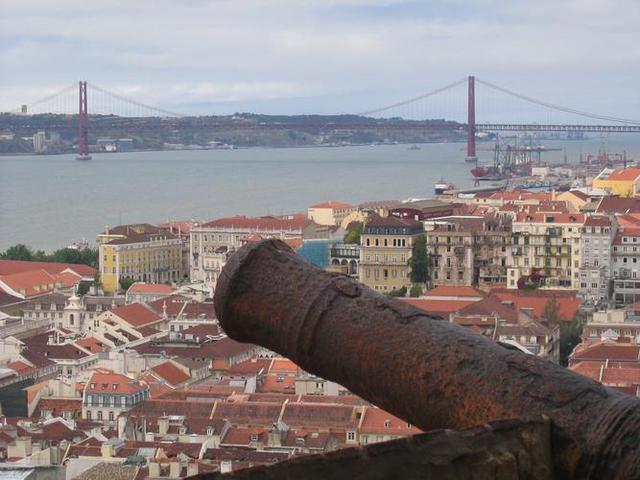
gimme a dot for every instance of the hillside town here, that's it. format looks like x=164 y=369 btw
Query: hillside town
x=124 y=371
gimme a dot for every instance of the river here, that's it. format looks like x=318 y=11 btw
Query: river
x=48 y=202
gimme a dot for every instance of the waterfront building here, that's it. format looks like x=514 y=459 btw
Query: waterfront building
x=145 y=257
x=40 y=142
x=330 y=213
x=595 y=267
x=469 y=250
x=385 y=249
x=546 y=249
x=624 y=182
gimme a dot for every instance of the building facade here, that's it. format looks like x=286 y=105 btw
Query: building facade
x=546 y=249
x=595 y=268
x=106 y=395
x=625 y=257
x=385 y=249
x=213 y=242
x=146 y=257
x=469 y=250
x=330 y=213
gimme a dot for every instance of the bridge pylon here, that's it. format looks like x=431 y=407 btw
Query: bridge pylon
x=471 y=120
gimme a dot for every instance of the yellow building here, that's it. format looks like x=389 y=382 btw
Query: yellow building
x=330 y=213
x=385 y=249
x=624 y=182
x=145 y=257
x=547 y=246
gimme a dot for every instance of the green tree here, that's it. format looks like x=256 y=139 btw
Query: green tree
x=570 y=331
x=416 y=290
x=83 y=287
x=97 y=280
x=126 y=282
x=353 y=235
x=400 y=292
x=17 y=252
x=570 y=337
x=419 y=261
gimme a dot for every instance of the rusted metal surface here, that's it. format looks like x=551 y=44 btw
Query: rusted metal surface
x=429 y=372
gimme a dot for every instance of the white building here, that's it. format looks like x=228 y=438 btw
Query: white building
x=595 y=268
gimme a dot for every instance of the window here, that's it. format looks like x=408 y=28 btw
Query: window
x=99 y=414
x=351 y=436
x=111 y=418
x=88 y=414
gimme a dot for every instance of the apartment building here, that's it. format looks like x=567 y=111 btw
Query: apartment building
x=625 y=257
x=469 y=250
x=146 y=257
x=546 y=249
x=385 y=249
x=107 y=395
x=595 y=268
x=213 y=242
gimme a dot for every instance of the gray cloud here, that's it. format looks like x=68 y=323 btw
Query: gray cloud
x=332 y=56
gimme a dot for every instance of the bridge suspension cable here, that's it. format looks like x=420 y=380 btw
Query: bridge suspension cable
x=557 y=107
x=64 y=91
x=413 y=99
x=166 y=113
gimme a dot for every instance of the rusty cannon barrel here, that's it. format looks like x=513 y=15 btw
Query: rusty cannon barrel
x=432 y=373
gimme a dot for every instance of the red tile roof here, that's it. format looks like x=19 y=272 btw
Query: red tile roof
x=92 y=344
x=601 y=351
x=568 y=306
x=9 y=267
x=243 y=436
x=57 y=406
x=137 y=315
x=278 y=384
x=306 y=415
x=438 y=307
x=597 y=221
x=378 y=421
x=20 y=367
x=173 y=375
x=102 y=382
x=176 y=305
x=624 y=174
x=455 y=291
x=29 y=283
x=293 y=222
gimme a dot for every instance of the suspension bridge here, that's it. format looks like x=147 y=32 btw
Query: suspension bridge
x=457 y=101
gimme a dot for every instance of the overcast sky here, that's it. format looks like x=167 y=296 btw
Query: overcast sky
x=323 y=56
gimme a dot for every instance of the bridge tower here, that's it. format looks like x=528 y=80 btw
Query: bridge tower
x=471 y=120
x=83 y=123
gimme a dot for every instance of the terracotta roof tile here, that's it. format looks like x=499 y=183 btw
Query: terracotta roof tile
x=173 y=375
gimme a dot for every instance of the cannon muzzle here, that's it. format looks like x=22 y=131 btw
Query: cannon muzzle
x=432 y=373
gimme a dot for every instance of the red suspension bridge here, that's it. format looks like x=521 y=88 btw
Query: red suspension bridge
x=110 y=106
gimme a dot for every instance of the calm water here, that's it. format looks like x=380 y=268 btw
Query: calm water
x=51 y=201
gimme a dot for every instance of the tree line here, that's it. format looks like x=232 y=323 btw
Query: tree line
x=87 y=256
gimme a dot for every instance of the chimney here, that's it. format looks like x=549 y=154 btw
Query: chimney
x=174 y=468
x=226 y=466
x=154 y=469
x=106 y=450
x=192 y=468
x=163 y=425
